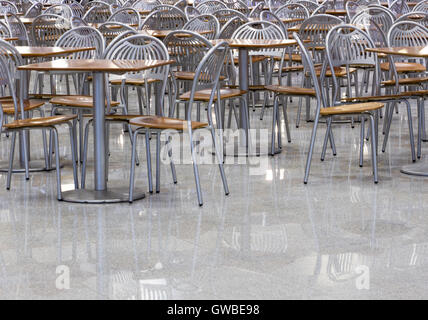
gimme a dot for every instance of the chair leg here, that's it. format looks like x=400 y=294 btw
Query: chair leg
x=220 y=162
x=58 y=167
x=374 y=148
x=327 y=136
x=311 y=148
x=419 y=146
x=388 y=119
x=412 y=138
x=195 y=169
x=362 y=131
x=26 y=164
x=274 y=121
x=149 y=160
x=132 y=172
x=73 y=155
x=11 y=155
x=171 y=162
x=287 y=126
x=158 y=162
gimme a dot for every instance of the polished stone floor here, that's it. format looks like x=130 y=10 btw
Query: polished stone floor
x=339 y=237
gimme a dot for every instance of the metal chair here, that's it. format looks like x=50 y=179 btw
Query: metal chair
x=4 y=30
x=364 y=110
x=47 y=28
x=237 y=5
x=207 y=25
x=34 y=11
x=415 y=16
x=9 y=61
x=421 y=7
x=78 y=22
x=210 y=6
x=128 y=16
x=17 y=29
x=399 y=7
x=110 y=30
x=294 y=12
x=164 y=17
x=276 y=4
x=257 y=10
x=191 y=12
x=62 y=10
x=145 y=6
x=205 y=87
x=77 y=9
x=229 y=27
x=311 y=6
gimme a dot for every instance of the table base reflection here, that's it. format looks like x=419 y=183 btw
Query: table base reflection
x=417 y=169
x=110 y=195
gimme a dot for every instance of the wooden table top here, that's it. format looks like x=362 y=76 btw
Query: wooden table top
x=33 y=52
x=336 y=12
x=91 y=65
x=256 y=43
x=417 y=52
x=10 y=39
x=97 y=25
x=27 y=21
x=163 y=33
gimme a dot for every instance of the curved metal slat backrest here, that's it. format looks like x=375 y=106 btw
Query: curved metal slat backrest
x=4 y=30
x=182 y=4
x=118 y=37
x=83 y=37
x=210 y=6
x=187 y=48
x=142 y=47
x=257 y=10
x=143 y=5
x=268 y=15
x=203 y=23
x=77 y=22
x=293 y=12
x=315 y=30
x=110 y=30
x=191 y=12
x=309 y=5
x=47 y=29
x=98 y=14
x=399 y=7
x=17 y=29
x=230 y=27
x=127 y=16
x=34 y=11
x=87 y=6
x=407 y=33
x=415 y=16
x=276 y=4
x=237 y=5
x=378 y=14
x=62 y=10
x=224 y=15
x=165 y=17
x=7 y=6
x=77 y=9
x=345 y=47
x=421 y=7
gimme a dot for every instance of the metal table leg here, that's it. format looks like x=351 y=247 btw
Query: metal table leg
x=101 y=194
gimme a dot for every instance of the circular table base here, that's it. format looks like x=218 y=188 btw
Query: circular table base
x=417 y=169
x=112 y=195
x=35 y=166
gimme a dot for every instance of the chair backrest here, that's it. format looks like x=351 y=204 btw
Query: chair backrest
x=421 y=7
x=181 y=4
x=207 y=77
x=268 y=15
x=47 y=28
x=90 y=4
x=144 y=5
x=399 y=7
x=17 y=29
x=237 y=5
x=210 y=6
x=77 y=9
x=142 y=47
x=191 y=12
x=315 y=29
x=128 y=16
x=346 y=47
x=117 y=38
x=230 y=27
x=292 y=14
x=7 y=7
x=225 y=15
x=77 y=22
x=187 y=48
x=311 y=6
x=415 y=16
x=83 y=37
x=165 y=17
x=34 y=11
x=378 y=14
x=62 y=10
x=4 y=30
x=98 y=13
x=257 y=10
x=110 y=30
x=206 y=25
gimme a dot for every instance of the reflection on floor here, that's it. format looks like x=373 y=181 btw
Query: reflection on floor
x=338 y=237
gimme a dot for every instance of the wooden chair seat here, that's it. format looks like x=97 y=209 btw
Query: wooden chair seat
x=156 y=122
x=351 y=109
x=405 y=81
x=9 y=108
x=398 y=96
x=254 y=59
x=204 y=95
x=39 y=122
x=294 y=57
x=133 y=82
x=77 y=101
x=338 y=71
x=295 y=91
x=404 y=67
x=298 y=68
x=188 y=75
